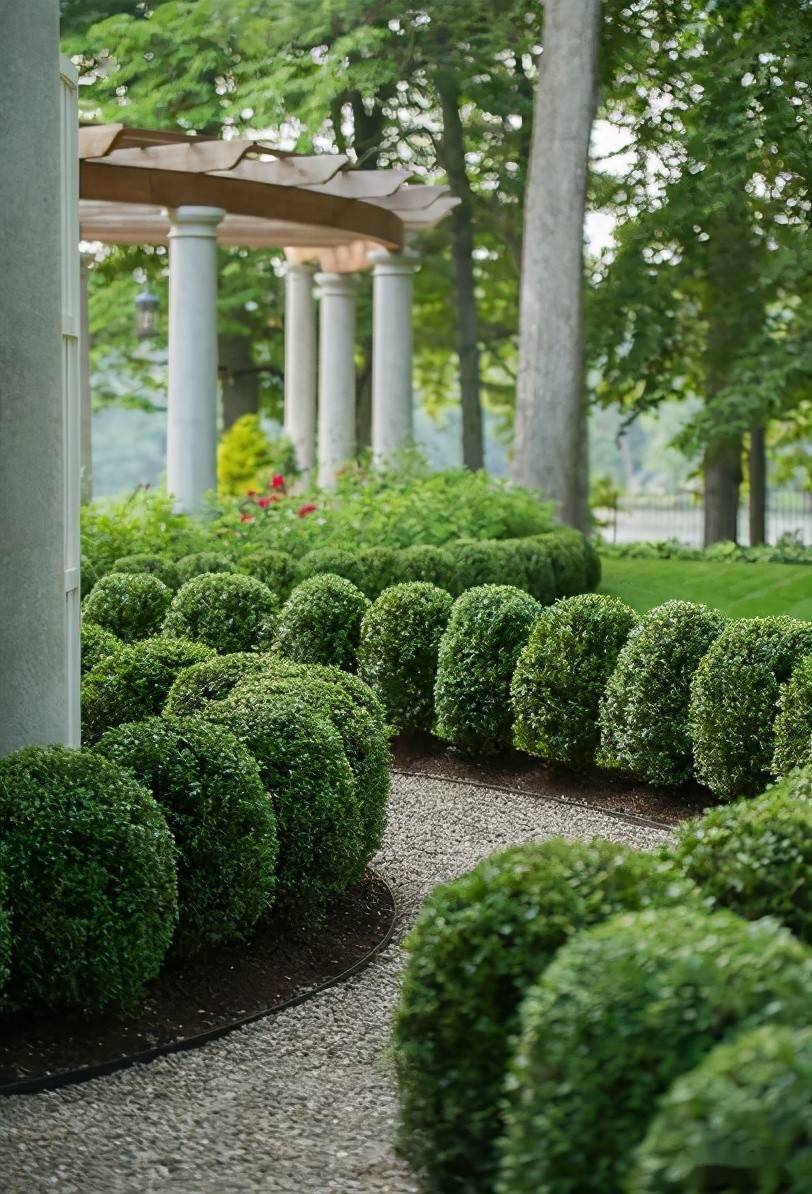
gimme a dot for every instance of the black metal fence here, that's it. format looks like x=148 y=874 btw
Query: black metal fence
x=680 y=516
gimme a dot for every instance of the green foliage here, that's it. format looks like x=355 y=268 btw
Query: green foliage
x=338 y=561
x=276 y=569
x=321 y=622
x=755 y=856
x=477 y=562
x=96 y=643
x=156 y=565
x=536 y=568
x=89 y=576
x=134 y=681
x=621 y=1012
x=421 y=561
x=142 y=522
x=734 y=697
x=479 y=943
x=90 y=877
x=788 y=549
x=741 y=1118
x=573 y=561
x=644 y=712
x=486 y=632
x=247 y=458
x=793 y=726
x=380 y=568
x=200 y=563
x=211 y=680
x=221 y=818
x=226 y=611
x=130 y=605
x=562 y=673
x=397 y=654
x=5 y=940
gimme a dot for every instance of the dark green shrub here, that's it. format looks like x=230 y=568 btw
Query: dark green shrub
x=334 y=560
x=562 y=673
x=644 y=712
x=134 y=681
x=203 y=562
x=130 y=605
x=321 y=622
x=477 y=562
x=621 y=1012
x=434 y=565
x=487 y=629
x=352 y=686
x=5 y=940
x=479 y=942
x=397 y=655
x=96 y=643
x=793 y=726
x=573 y=564
x=755 y=856
x=156 y=565
x=211 y=680
x=379 y=568
x=91 y=885
x=276 y=569
x=734 y=697
x=226 y=611
x=740 y=1121
x=537 y=566
x=221 y=817
x=89 y=574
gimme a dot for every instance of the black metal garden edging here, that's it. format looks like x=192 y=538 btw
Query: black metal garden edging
x=125 y=1060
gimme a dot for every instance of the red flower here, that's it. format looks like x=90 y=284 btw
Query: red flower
x=246 y=517
x=307 y=508
x=277 y=481
x=265 y=502
x=252 y=493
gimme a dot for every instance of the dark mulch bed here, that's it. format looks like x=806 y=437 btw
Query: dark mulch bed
x=206 y=995
x=422 y=754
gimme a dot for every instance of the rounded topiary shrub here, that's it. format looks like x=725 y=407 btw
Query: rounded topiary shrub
x=755 y=856
x=644 y=712
x=621 y=1012
x=156 y=565
x=88 y=576
x=211 y=680
x=130 y=605
x=573 y=564
x=734 y=699
x=226 y=611
x=434 y=565
x=487 y=629
x=562 y=673
x=379 y=568
x=537 y=568
x=96 y=643
x=478 y=562
x=209 y=787
x=134 y=681
x=200 y=562
x=352 y=686
x=335 y=560
x=91 y=884
x=793 y=726
x=478 y=944
x=321 y=622
x=397 y=655
x=276 y=569
x=741 y=1121
x=5 y=940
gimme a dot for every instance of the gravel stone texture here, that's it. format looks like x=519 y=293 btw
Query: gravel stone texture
x=300 y=1103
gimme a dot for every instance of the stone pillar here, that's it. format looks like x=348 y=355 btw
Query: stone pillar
x=191 y=423
x=86 y=437
x=300 y=363
x=391 y=352
x=336 y=294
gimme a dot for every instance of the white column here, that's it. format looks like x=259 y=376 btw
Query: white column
x=85 y=437
x=191 y=422
x=336 y=293
x=391 y=352
x=300 y=363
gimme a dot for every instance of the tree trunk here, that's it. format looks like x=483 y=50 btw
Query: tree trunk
x=723 y=475
x=757 y=477
x=238 y=377
x=549 y=440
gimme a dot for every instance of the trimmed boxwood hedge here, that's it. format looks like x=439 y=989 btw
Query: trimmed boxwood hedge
x=226 y=611
x=88 y=576
x=157 y=565
x=221 y=818
x=91 y=884
x=96 y=643
x=734 y=696
x=336 y=561
x=321 y=622
x=397 y=654
x=487 y=629
x=276 y=569
x=478 y=944
x=478 y=562
x=379 y=569
x=793 y=725
x=621 y=1012
x=131 y=605
x=424 y=562
x=755 y=856
x=5 y=940
x=644 y=711
x=576 y=568
x=742 y=1120
x=562 y=673
x=201 y=562
x=211 y=680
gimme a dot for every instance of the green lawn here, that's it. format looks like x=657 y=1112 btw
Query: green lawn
x=739 y=590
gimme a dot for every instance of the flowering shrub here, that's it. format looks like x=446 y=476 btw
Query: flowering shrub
x=130 y=605
x=321 y=622
x=227 y=611
x=247 y=458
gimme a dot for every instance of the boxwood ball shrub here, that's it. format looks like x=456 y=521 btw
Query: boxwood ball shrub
x=221 y=817
x=5 y=940
x=793 y=725
x=424 y=562
x=88 y=575
x=226 y=611
x=379 y=568
x=537 y=567
x=131 y=605
x=211 y=680
x=157 y=565
x=479 y=943
x=488 y=627
x=335 y=560
x=742 y=1120
x=620 y=1013
x=276 y=569
x=573 y=564
x=397 y=655
x=755 y=856
x=562 y=673
x=200 y=562
x=96 y=642
x=734 y=701
x=91 y=887
x=134 y=681
x=476 y=562
x=644 y=712
x=321 y=622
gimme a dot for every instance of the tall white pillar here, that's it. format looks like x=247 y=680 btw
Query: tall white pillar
x=336 y=294
x=85 y=436
x=391 y=352
x=300 y=363
x=191 y=423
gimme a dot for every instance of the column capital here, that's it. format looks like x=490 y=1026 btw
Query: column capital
x=405 y=262
x=336 y=285
x=191 y=220
x=300 y=269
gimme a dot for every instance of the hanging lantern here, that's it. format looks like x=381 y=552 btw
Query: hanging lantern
x=146 y=315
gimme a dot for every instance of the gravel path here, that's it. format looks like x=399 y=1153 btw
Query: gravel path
x=300 y=1103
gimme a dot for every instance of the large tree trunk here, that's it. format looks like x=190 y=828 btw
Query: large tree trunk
x=238 y=377
x=723 y=475
x=549 y=439
x=757 y=478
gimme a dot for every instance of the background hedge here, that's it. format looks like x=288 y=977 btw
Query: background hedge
x=130 y=605
x=792 y=730
x=434 y=565
x=276 y=569
x=157 y=565
x=200 y=562
x=337 y=561
x=321 y=622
